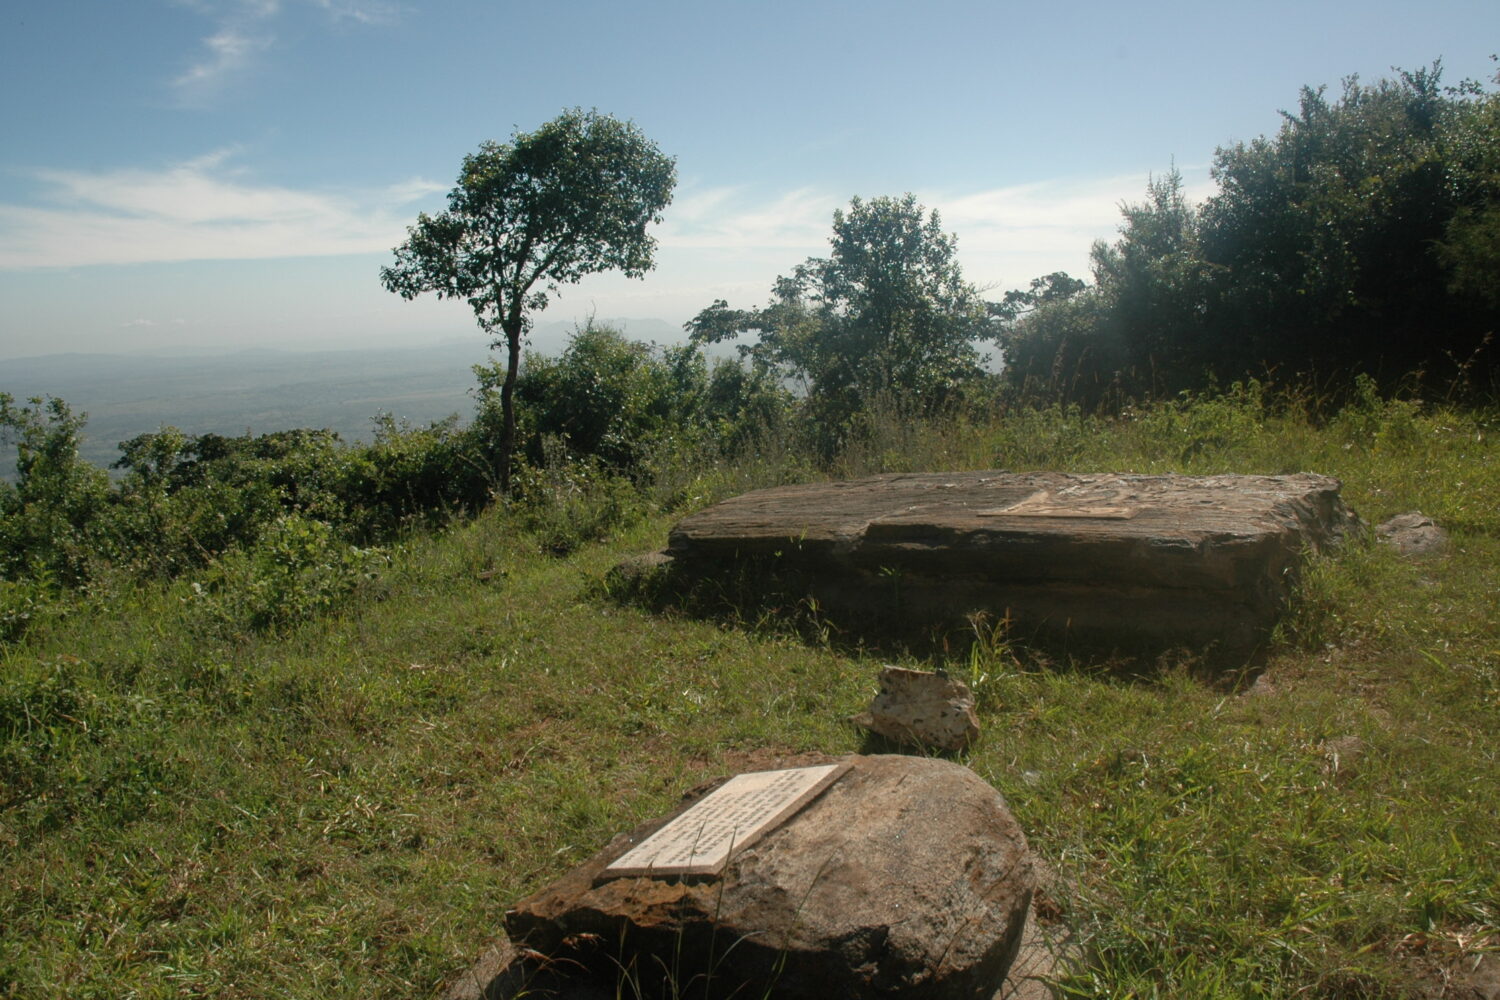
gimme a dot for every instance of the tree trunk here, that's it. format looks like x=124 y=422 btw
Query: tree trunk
x=512 y=328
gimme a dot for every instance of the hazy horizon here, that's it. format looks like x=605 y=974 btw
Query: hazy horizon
x=259 y=390
x=545 y=338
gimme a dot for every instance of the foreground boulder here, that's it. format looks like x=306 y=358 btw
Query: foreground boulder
x=1119 y=561
x=898 y=877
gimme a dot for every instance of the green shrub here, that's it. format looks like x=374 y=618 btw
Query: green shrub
x=412 y=475
x=1376 y=424
x=568 y=501
x=296 y=570
x=50 y=516
x=22 y=603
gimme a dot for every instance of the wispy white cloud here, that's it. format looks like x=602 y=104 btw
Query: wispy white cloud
x=243 y=32
x=1049 y=210
x=199 y=210
x=412 y=190
x=230 y=50
x=1006 y=235
x=146 y=324
x=1007 y=231
x=729 y=218
x=363 y=11
x=1009 y=235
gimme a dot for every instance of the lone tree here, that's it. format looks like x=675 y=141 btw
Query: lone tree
x=550 y=206
x=888 y=313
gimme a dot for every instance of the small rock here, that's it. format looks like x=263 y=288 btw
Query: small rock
x=1478 y=976
x=1261 y=687
x=637 y=572
x=1342 y=757
x=1413 y=534
x=922 y=708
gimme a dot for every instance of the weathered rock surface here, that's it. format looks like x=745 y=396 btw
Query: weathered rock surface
x=907 y=877
x=1412 y=534
x=504 y=973
x=1117 y=560
x=922 y=708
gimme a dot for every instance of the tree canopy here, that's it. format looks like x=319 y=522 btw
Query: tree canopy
x=1361 y=237
x=570 y=199
x=887 y=313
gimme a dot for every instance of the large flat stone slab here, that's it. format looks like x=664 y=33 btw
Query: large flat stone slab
x=902 y=877
x=1115 y=560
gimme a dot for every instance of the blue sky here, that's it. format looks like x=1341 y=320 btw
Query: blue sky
x=221 y=174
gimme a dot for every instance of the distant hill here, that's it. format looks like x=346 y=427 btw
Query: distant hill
x=259 y=391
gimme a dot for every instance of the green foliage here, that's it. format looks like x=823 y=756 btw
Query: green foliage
x=1470 y=248
x=1063 y=350
x=21 y=603
x=1361 y=237
x=414 y=475
x=887 y=313
x=69 y=750
x=1377 y=425
x=608 y=397
x=1326 y=233
x=185 y=500
x=1209 y=430
x=572 y=198
x=48 y=517
x=296 y=570
x=627 y=403
x=278 y=528
x=567 y=502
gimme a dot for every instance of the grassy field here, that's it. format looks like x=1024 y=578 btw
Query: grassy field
x=344 y=808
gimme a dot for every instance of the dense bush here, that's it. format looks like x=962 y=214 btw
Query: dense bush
x=50 y=516
x=1362 y=237
x=623 y=403
x=277 y=527
x=296 y=570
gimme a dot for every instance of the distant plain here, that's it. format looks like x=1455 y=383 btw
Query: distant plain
x=260 y=391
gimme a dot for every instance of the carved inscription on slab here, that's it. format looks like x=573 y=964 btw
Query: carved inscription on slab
x=729 y=818
x=1044 y=504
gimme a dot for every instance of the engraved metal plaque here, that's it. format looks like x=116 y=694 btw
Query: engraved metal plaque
x=731 y=817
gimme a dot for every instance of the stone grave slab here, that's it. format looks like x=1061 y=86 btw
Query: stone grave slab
x=1114 y=560
x=896 y=876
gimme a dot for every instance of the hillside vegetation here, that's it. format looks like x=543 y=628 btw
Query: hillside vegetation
x=200 y=801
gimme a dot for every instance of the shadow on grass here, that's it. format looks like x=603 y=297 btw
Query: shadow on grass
x=872 y=619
